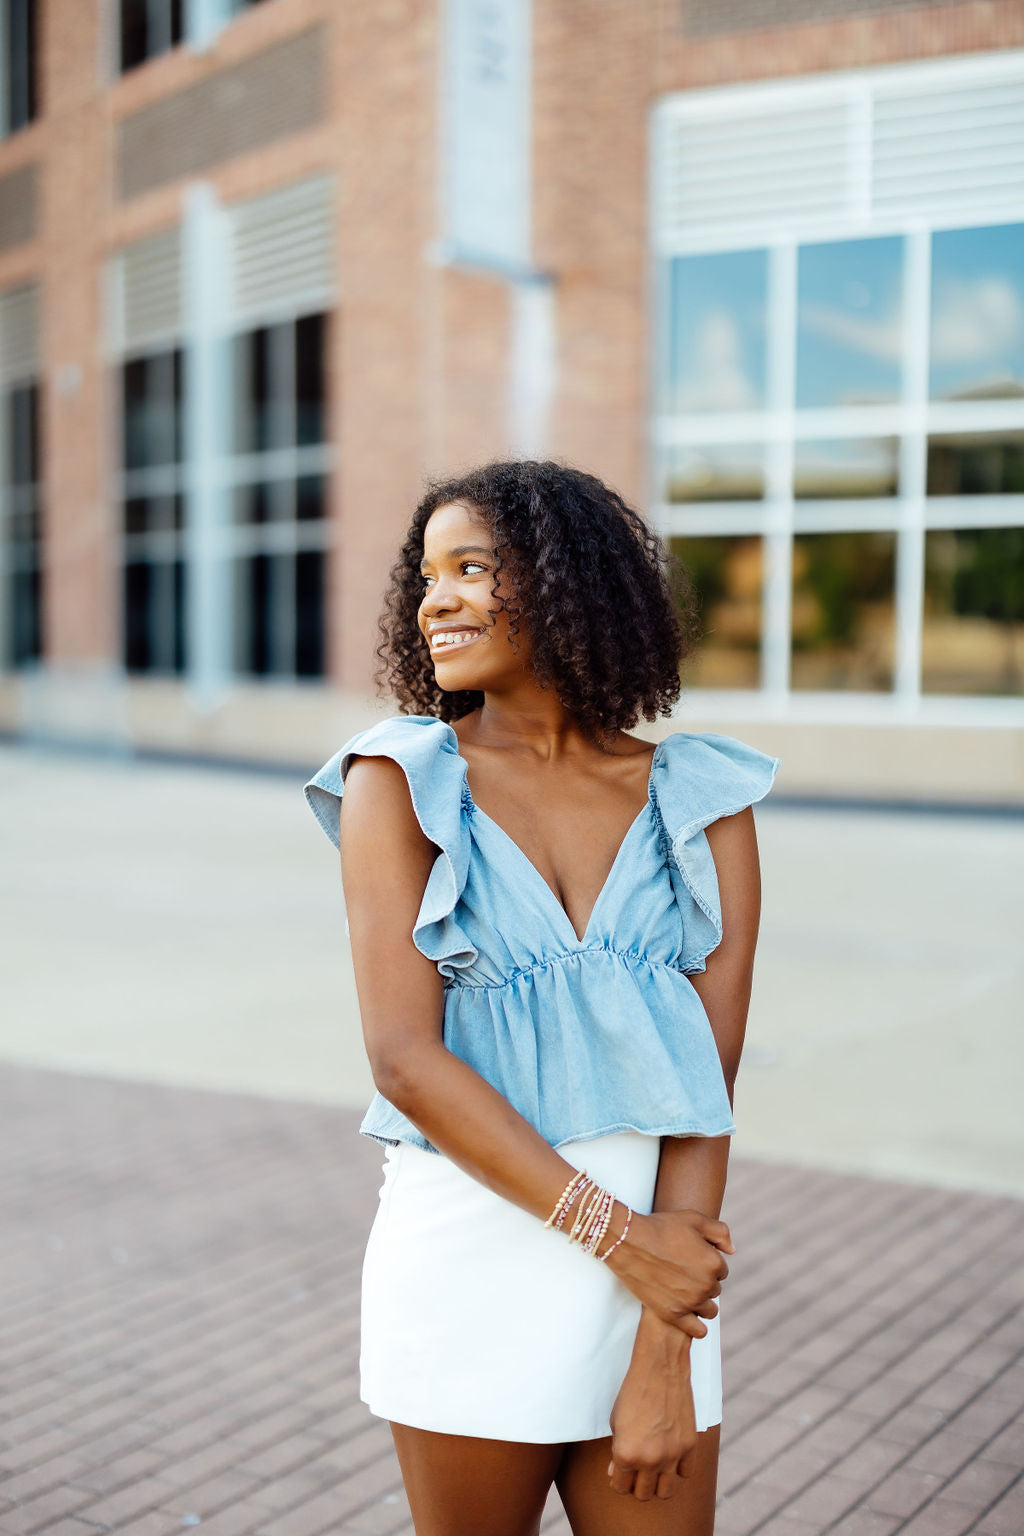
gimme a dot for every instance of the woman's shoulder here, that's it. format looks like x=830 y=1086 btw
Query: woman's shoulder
x=700 y=776
x=426 y=749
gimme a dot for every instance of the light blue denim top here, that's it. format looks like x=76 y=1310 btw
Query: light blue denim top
x=582 y=1036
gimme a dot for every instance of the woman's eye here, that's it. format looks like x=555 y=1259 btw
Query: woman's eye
x=465 y=566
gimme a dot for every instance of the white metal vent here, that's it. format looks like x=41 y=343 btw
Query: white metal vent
x=281 y=252
x=851 y=153
x=743 y=170
x=19 y=334
x=146 y=308
x=949 y=150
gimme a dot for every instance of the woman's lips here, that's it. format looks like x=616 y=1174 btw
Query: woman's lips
x=439 y=647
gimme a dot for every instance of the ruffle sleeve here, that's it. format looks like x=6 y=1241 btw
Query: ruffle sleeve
x=421 y=745
x=704 y=777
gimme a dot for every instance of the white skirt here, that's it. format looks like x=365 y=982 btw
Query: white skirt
x=479 y=1320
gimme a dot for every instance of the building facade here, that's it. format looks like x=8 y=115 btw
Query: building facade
x=267 y=266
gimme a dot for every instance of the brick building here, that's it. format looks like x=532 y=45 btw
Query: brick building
x=265 y=266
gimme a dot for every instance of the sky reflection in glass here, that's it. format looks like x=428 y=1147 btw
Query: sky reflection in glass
x=849 y=323
x=717 y=335
x=977 y=324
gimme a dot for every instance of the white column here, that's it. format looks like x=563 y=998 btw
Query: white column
x=206 y=421
x=909 y=595
x=778 y=540
x=532 y=366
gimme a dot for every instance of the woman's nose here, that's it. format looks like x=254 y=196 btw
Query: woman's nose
x=438 y=597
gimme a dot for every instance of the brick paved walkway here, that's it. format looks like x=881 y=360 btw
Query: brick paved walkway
x=179 y=1316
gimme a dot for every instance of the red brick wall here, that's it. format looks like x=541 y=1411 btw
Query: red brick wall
x=419 y=365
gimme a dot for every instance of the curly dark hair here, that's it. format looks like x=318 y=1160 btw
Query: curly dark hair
x=609 y=610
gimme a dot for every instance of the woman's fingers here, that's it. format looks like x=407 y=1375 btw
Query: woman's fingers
x=687 y=1464
x=718 y=1233
x=647 y=1479
x=621 y=1476
x=646 y=1483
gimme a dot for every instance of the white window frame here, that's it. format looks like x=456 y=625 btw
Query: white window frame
x=210 y=470
x=909 y=514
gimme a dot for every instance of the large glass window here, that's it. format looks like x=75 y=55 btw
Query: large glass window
x=973 y=639
x=154 y=576
x=717 y=350
x=20 y=64
x=880 y=431
x=976 y=464
x=842 y=610
x=849 y=323
x=279 y=498
x=827 y=468
x=21 y=496
x=727 y=576
x=275 y=466
x=713 y=472
x=977 y=314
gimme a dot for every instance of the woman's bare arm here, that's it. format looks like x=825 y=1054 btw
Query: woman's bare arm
x=653 y=1417
x=671 y=1263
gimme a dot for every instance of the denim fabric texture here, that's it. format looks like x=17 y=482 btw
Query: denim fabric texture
x=583 y=1036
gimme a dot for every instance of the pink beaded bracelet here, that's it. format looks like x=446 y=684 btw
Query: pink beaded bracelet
x=619 y=1239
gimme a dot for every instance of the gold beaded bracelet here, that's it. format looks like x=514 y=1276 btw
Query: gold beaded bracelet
x=619 y=1239
x=566 y=1198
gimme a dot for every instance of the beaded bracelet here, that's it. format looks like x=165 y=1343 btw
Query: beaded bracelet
x=593 y=1216
x=579 y=1192
x=619 y=1239
x=566 y=1198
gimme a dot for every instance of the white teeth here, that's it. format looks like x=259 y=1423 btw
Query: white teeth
x=455 y=637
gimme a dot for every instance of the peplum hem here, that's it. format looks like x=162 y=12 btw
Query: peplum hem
x=553 y=1040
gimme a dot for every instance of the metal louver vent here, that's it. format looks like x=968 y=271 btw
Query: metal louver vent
x=950 y=150
x=146 y=294
x=281 y=252
x=19 y=334
x=859 y=151
x=742 y=170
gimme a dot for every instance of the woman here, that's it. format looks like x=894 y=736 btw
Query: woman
x=553 y=929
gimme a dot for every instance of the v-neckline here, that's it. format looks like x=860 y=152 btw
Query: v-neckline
x=578 y=939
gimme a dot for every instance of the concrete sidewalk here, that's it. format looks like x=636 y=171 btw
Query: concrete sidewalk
x=179 y=1324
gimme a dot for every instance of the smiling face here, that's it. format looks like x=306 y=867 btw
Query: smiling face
x=463 y=620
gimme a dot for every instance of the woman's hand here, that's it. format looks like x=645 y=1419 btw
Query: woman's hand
x=654 y=1430
x=672 y=1261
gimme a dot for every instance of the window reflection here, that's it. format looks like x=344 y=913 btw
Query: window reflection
x=976 y=464
x=842 y=615
x=252 y=393
x=309 y=613
x=973 y=640
x=727 y=574
x=153 y=586
x=21 y=557
x=717 y=332
x=824 y=469
x=154 y=615
x=151 y=389
x=849 y=323
x=977 y=322
x=713 y=472
x=310 y=359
